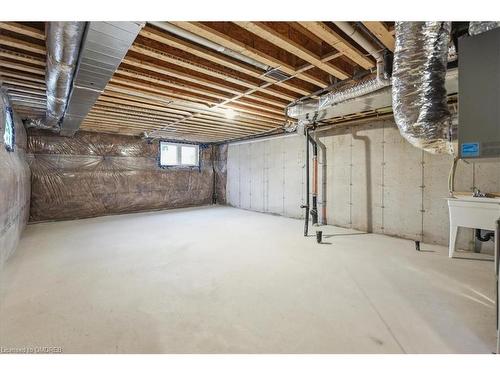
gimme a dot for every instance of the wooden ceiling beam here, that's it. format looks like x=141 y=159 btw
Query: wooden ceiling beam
x=170 y=84
x=204 y=70
x=216 y=58
x=18 y=75
x=163 y=98
x=22 y=67
x=116 y=108
x=153 y=127
x=23 y=30
x=17 y=83
x=160 y=123
x=225 y=40
x=380 y=31
x=121 y=99
x=21 y=44
x=339 y=43
x=150 y=88
x=22 y=57
x=271 y=35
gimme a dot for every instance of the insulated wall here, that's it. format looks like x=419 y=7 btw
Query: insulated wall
x=94 y=174
x=14 y=185
x=375 y=181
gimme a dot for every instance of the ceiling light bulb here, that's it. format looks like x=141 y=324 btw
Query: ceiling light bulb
x=230 y=113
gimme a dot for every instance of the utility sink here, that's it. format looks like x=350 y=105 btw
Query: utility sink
x=471 y=212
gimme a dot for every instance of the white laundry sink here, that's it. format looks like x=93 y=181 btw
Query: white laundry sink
x=471 y=212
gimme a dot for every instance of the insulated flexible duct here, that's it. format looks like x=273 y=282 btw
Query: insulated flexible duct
x=311 y=108
x=418 y=85
x=476 y=27
x=63 y=46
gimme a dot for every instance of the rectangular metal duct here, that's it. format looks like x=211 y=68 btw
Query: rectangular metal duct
x=104 y=46
x=373 y=101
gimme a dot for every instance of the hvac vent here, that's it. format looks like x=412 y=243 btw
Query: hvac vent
x=276 y=74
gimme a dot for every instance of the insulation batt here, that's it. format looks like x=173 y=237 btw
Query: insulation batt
x=14 y=185
x=418 y=85
x=95 y=174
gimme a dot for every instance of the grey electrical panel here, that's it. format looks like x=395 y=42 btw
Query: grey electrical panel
x=479 y=95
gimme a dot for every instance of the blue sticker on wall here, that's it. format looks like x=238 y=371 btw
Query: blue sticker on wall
x=470 y=149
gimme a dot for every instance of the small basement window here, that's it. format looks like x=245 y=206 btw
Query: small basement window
x=9 y=131
x=178 y=154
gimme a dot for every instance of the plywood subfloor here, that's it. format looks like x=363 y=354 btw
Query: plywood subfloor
x=224 y=280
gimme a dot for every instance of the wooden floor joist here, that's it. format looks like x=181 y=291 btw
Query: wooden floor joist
x=170 y=86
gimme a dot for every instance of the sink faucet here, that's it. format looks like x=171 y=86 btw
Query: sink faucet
x=477 y=193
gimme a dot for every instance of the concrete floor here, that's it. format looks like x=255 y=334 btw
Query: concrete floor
x=224 y=280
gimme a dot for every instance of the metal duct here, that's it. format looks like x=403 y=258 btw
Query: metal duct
x=104 y=46
x=419 y=97
x=209 y=44
x=476 y=27
x=313 y=110
x=318 y=109
x=370 y=102
x=63 y=45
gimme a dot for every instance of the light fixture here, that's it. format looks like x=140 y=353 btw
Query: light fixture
x=230 y=113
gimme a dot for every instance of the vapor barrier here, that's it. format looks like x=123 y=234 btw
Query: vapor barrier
x=14 y=182
x=95 y=174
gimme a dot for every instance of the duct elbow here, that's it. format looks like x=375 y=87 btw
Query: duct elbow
x=418 y=85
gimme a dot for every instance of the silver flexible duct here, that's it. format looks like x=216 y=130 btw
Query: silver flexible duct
x=418 y=85
x=476 y=27
x=63 y=46
x=350 y=91
x=357 y=89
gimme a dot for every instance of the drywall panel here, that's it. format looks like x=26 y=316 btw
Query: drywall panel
x=366 y=188
x=402 y=186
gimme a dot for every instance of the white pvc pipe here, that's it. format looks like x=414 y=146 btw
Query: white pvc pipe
x=208 y=43
x=360 y=39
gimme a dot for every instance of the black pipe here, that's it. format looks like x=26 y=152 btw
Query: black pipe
x=488 y=236
x=306 y=206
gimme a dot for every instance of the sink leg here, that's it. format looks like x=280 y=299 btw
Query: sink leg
x=453 y=239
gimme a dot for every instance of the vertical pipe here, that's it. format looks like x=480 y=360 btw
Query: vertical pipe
x=497 y=279
x=314 y=210
x=306 y=205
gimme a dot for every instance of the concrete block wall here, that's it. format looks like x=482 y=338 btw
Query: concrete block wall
x=375 y=181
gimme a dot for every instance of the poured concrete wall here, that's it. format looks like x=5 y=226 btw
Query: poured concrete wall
x=267 y=175
x=375 y=181
x=14 y=186
x=95 y=174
